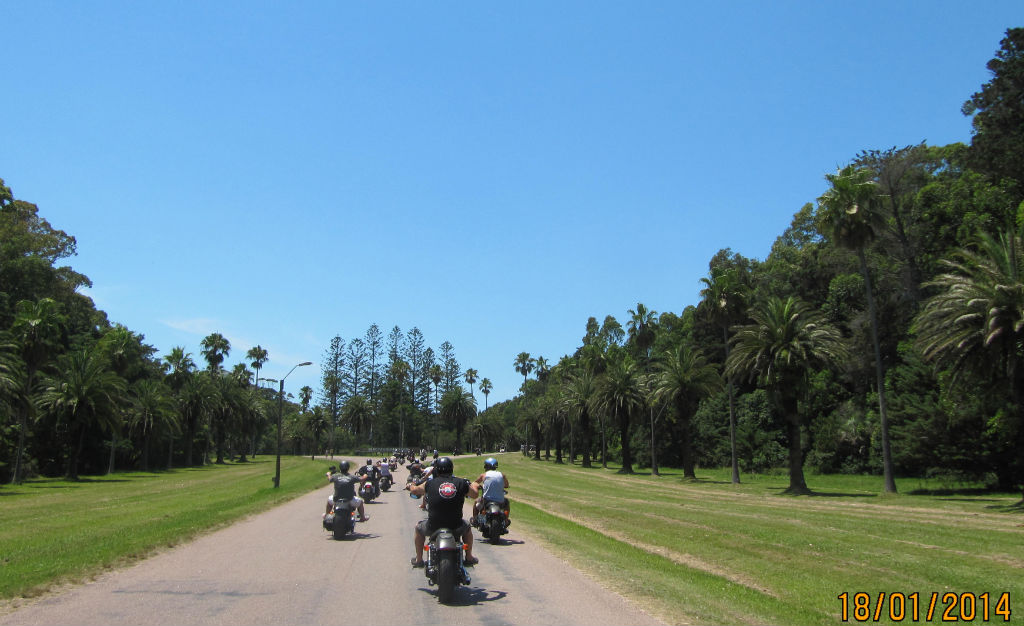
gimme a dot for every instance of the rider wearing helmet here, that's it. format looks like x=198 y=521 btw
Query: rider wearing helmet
x=372 y=474
x=345 y=489
x=493 y=485
x=445 y=495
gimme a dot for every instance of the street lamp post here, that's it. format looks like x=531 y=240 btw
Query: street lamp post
x=280 y=412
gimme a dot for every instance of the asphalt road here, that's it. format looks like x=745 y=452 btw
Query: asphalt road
x=281 y=567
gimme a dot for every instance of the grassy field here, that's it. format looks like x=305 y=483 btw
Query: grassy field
x=707 y=551
x=702 y=551
x=53 y=531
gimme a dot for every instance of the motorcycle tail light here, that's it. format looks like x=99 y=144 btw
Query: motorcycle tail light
x=465 y=547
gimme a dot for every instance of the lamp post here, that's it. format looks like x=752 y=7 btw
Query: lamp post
x=280 y=412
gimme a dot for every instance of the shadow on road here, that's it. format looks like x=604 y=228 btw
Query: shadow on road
x=470 y=596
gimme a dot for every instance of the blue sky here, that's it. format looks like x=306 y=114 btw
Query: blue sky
x=492 y=173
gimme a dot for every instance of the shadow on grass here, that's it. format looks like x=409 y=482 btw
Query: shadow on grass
x=785 y=491
x=963 y=491
x=1016 y=507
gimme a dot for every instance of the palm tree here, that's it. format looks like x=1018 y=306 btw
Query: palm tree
x=975 y=323
x=152 y=411
x=641 y=328
x=485 y=388
x=524 y=365
x=36 y=332
x=305 y=397
x=181 y=365
x=471 y=376
x=785 y=341
x=196 y=398
x=457 y=408
x=257 y=358
x=216 y=348
x=578 y=397
x=357 y=414
x=683 y=378
x=317 y=423
x=542 y=367
x=84 y=394
x=850 y=211
x=725 y=294
x=620 y=393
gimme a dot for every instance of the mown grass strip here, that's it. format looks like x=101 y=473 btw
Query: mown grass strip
x=54 y=531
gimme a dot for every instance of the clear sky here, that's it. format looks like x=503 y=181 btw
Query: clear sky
x=493 y=173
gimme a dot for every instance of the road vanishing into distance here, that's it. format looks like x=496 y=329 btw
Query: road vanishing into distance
x=281 y=567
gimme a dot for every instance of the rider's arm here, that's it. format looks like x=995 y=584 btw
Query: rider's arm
x=417 y=490
x=474 y=490
x=506 y=482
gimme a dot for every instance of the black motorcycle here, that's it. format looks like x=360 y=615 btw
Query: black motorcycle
x=341 y=520
x=492 y=522
x=385 y=483
x=444 y=563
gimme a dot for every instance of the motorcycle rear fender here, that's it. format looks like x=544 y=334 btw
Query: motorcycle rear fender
x=494 y=507
x=445 y=540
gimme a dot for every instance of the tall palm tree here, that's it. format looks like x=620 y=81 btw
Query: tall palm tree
x=305 y=397
x=317 y=424
x=975 y=323
x=84 y=394
x=36 y=332
x=778 y=350
x=215 y=348
x=542 y=367
x=471 y=377
x=641 y=328
x=850 y=212
x=358 y=414
x=683 y=378
x=485 y=388
x=726 y=297
x=257 y=358
x=524 y=365
x=181 y=365
x=621 y=394
x=578 y=397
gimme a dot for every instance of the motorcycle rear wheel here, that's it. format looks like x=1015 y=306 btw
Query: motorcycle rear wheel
x=494 y=530
x=446 y=578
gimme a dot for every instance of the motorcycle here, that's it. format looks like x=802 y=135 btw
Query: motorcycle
x=385 y=483
x=393 y=465
x=367 y=491
x=492 y=520
x=444 y=563
x=341 y=520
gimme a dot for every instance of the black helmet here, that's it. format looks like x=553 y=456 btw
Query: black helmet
x=444 y=466
x=343 y=467
x=369 y=461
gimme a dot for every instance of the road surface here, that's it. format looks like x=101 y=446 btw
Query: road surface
x=281 y=567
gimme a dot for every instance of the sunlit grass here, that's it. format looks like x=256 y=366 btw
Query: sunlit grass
x=54 y=531
x=708 y=551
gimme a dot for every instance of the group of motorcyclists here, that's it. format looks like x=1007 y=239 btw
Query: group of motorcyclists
x=443 y=494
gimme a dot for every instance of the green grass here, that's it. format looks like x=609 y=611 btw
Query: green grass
x=708 y=551
x=54 y=531
x=704 y=551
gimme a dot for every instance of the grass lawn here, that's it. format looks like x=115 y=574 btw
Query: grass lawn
x=708 y=551
x=53 y=531
x=704 y=551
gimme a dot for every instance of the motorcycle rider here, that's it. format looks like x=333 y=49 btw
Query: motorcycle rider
x=345 y=489
x=445 y=495
x=385 y=471
x=373 y=475
x=494 y=484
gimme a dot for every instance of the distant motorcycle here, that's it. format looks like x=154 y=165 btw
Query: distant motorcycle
x=367 y=491
x=385 y=483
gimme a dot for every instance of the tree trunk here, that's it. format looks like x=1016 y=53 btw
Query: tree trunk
x=558 y=442
x=684 y=423
x=627 y=457
x=797 y=484
x=585 y=427
x=654 y=451
x=732 y=416
x=890 y=482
